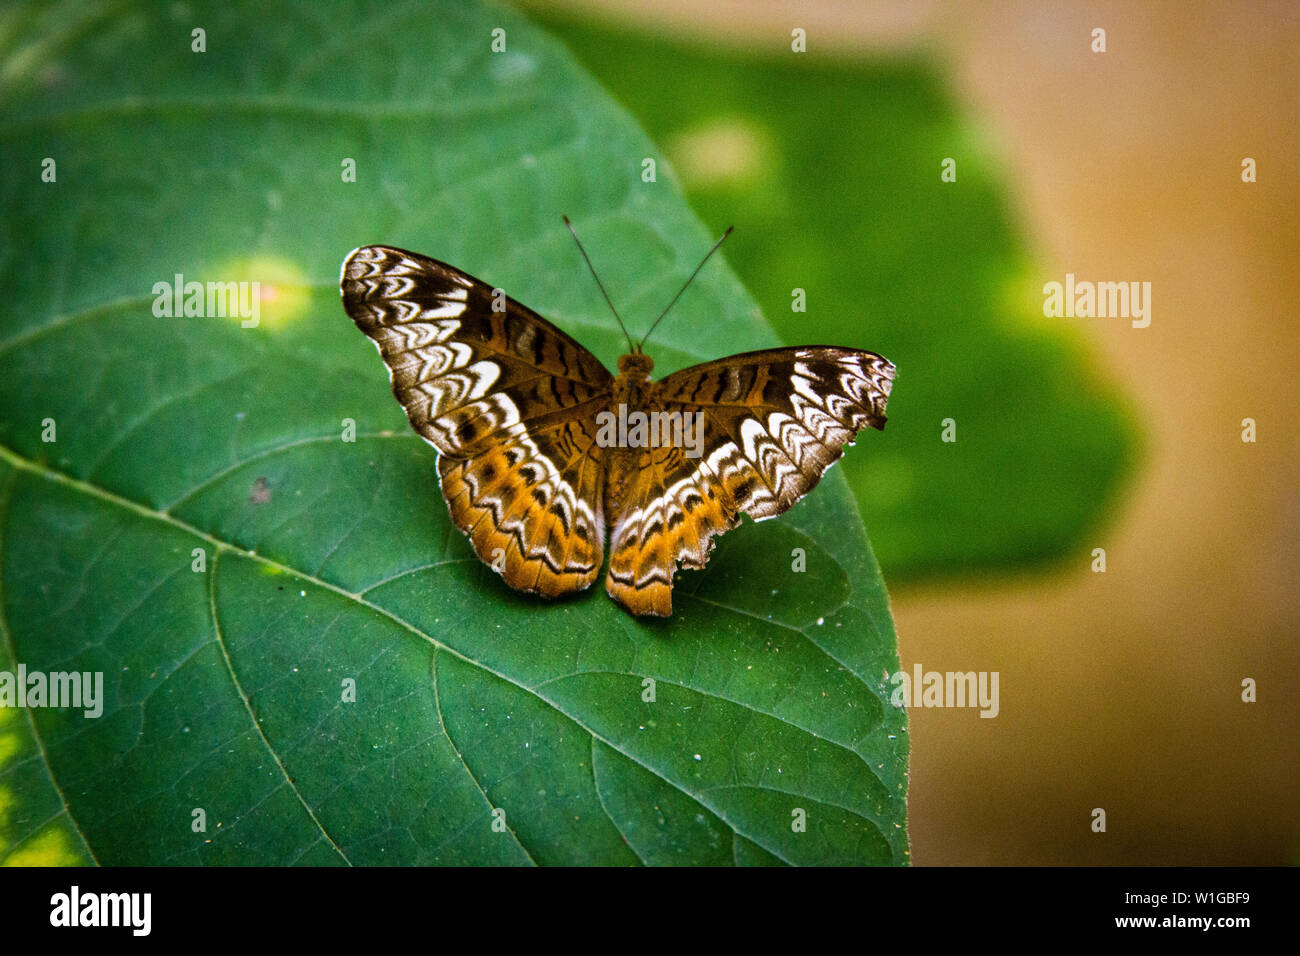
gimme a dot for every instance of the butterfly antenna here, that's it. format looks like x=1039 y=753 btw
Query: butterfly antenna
x=630 y=346
x=683 y=288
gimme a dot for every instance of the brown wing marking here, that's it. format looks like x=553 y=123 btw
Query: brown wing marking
x=463 y=370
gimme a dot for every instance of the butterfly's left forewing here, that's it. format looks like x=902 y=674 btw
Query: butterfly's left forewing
x=773 y=421
x=507 y=399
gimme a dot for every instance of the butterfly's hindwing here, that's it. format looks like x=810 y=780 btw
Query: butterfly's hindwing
x=541 y=526
x=774 y=422
x=507 y=399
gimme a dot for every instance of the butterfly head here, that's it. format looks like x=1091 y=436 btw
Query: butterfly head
x=635 y=364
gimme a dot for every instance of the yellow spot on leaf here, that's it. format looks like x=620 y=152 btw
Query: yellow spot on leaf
x=49 y=848
x=277 y=288
x=9 y=745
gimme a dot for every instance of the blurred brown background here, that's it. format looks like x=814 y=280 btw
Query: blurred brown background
x=1121 y=690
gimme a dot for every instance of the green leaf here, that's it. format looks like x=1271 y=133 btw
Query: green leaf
x=830 y=169
x=188 y=440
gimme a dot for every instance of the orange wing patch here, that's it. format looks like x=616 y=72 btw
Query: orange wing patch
x=531 y=520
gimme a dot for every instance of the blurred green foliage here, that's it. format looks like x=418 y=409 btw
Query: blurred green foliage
x=830 y=170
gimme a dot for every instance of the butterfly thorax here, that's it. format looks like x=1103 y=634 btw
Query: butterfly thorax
x=632 y=391
x=632 y=388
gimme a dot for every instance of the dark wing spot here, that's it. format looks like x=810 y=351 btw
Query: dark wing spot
x=562 y=516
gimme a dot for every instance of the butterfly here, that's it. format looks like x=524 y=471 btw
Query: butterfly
x=542 y=451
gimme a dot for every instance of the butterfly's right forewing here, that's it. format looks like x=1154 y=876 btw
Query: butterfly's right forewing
x=507 y=399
